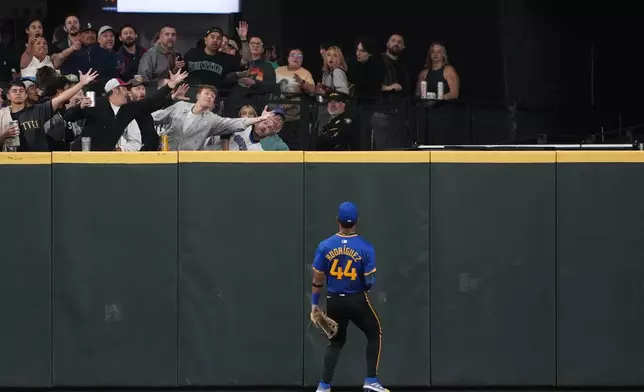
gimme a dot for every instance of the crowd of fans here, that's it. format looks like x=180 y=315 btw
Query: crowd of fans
x=229 y=92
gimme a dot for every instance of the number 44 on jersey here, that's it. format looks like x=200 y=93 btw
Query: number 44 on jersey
x=339 y=272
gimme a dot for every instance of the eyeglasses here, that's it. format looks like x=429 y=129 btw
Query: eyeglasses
x=296 y=55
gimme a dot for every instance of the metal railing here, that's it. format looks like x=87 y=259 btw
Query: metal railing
x=411 y=122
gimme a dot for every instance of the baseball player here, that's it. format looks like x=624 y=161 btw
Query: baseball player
x=348 y=264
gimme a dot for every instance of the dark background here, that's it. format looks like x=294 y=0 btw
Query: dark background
x=540 y=54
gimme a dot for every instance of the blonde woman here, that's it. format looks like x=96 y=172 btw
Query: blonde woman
x=438 y=69
x=334 y=70
x=247 y=111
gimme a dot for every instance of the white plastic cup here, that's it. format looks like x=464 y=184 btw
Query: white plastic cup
x=86 y=143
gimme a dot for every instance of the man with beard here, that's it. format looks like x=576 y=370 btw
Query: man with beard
x=339 y=133
x=130 y=52
x=136 y=93
x=396 y=78
x=90 y=55
x=387 y=131
x=191 y=124
x=111 y=116
x=210 y=66
x=72 y=28
x=162 y=57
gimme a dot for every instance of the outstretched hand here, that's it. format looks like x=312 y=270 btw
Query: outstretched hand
x=180 y=93
x=242 y=30
x=266 y=114
x=87 y=78
x=176 y=78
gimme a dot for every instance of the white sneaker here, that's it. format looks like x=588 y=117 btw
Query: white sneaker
x=323 y=388
x=374 y=386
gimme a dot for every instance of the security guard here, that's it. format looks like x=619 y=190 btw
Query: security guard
x=338 y=133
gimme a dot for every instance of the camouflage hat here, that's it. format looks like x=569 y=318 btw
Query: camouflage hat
x=138 y=80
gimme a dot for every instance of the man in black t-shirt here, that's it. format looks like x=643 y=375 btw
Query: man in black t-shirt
x=388 y=122
x=31 y=119
x=62 y=133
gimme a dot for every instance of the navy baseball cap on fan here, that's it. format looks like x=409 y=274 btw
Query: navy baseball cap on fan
x=17 y=83
x=279 y=111
x=214 y=30
x=348 y=213
x=88 y=27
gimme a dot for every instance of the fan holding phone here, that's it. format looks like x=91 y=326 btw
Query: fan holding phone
x=162 y=57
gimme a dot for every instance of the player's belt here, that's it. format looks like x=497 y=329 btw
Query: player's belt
x=329 y=295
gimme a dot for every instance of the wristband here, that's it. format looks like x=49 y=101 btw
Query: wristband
x=315 y=298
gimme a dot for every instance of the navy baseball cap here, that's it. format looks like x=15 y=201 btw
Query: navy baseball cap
x=214 y=30
x=348 y=212
x=279 y=111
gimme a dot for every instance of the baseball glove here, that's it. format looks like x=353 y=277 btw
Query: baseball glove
x=324 y=324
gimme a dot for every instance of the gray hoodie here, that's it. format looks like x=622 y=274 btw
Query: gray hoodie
x=156 y=63
x=188 y=132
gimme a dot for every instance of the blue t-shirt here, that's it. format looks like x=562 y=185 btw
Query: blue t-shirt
x=348 y=261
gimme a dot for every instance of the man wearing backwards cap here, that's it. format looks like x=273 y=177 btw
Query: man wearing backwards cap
x=111 y=116
x=209 y=65
x=347 y=263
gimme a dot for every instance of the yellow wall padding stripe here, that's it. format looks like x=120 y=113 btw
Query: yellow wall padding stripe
x=600 y=156
x=241 y=157
x=25 y=158
x=110 y=158
x=468 y=157
x=494 y=157
x=368 y=157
